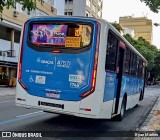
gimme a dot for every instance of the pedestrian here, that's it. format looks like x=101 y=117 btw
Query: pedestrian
x=11 y=82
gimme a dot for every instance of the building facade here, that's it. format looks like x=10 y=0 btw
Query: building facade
x=129 y=31
x=142 y=26
x=59 y=5
x=88 y=8
x=10 y=31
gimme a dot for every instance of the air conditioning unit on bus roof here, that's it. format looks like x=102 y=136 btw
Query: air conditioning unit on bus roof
x=15 y=13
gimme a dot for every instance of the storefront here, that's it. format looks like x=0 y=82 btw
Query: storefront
x=8 y=71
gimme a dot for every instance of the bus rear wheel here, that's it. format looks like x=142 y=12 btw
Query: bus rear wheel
x=122 y=111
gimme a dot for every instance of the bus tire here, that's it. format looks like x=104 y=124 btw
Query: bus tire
x=136 y=105
x=122 y=111
x=141 y=96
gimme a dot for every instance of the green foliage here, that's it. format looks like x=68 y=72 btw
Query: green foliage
x=117 y=26
x=157 y=64
x=27 y=4
x=150 y=52
x=154 y=5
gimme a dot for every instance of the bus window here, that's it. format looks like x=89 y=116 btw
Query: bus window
x=111 y=52
x=127 y=61
x=60 y=35
x=133 y=64
x=137 y=65
x=140 y=68
x=143 y=70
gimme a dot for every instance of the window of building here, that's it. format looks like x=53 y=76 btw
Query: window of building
x=19 y=7
x=49 y=1
x=99 y=13
x=17 y=36
x=68 y=1
x=93 y=8
x=87 y=14
x=88 y=3
x=5 y=33
x=99 y=3
x=111 y=52
x=37 y=12
x=70 y=13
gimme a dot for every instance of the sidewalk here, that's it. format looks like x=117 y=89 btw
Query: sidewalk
x=152 y=123
x=7 y=91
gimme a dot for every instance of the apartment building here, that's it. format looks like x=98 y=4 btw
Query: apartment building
x=10 y=30
x=141 y=25
x=88 y=8
x=58 y=4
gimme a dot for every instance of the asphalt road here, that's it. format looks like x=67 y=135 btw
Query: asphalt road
x=14 y=118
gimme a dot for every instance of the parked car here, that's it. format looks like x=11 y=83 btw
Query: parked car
x=158 y=81
x=151 y=81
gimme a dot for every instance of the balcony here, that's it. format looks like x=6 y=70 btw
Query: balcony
x=8 y=56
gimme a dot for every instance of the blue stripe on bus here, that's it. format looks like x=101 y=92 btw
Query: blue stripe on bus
x=110 y=86
x=130 y=85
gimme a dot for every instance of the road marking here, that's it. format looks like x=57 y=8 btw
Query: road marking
x=20 y=118
x=7 y=101
x=29 y=114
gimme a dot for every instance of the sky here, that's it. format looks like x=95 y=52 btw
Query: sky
x=113 y=9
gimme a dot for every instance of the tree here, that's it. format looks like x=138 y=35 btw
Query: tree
x=27 y=4
x=117 y=26
x=150 y=52
x=154 y=5
x=157 y=65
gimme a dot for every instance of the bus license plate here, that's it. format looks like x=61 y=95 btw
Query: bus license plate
x=52 y=95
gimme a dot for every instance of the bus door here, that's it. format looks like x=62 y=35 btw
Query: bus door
x=119 y=70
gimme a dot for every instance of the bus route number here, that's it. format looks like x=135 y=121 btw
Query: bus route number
x=74 y=85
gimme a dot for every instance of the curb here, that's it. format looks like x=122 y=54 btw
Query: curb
x=149 y=113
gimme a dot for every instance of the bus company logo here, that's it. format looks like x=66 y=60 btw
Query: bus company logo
x=42 y=61
x=63 y=64
x=6 y=134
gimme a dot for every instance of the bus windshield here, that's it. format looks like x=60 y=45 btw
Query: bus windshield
x=66 y=35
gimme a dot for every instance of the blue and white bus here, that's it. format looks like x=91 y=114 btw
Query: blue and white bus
x=78 y=66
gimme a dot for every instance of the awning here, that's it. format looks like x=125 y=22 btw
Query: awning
x=8 y=64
